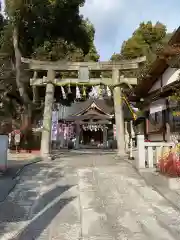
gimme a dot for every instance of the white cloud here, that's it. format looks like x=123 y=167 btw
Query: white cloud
x=115 y=20
x=104 y=15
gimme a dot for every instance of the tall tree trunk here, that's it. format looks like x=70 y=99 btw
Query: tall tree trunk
x=18 y=67
x=26 y=124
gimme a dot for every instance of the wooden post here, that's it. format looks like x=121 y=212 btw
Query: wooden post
x=126 y=136
x=47 y=118
x=118 y=114
x=78 y=129
x=104 y=136
x=131 y=141
x=140 y=160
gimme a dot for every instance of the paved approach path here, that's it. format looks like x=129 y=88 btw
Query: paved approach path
x=86 y=197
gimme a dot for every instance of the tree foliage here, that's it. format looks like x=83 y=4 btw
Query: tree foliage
x=39 y=21
x=145 y=41
x=41 y=29
x=60 y=49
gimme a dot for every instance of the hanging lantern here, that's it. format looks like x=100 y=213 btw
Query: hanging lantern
x=84 y=91
x=78 y=94
x=92 y=93
x=108 y=91
x=99 y=91
x=96 y=93
x=102 y=91
x=63 y=92
x=69 y=89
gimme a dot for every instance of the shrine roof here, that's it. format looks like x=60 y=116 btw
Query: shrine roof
x=81 y=110
x=100 y=104
x=156 y=70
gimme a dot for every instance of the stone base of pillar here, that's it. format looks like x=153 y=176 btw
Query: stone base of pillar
x=121 y=154
x=44 y=155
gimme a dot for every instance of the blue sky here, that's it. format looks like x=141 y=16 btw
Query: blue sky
x=116 y=20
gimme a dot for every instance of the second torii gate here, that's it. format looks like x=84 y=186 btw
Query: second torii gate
x=83 y=69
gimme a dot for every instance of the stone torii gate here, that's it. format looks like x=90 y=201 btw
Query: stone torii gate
x=83 y=69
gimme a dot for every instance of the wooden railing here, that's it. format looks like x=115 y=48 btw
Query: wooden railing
x=149 y=153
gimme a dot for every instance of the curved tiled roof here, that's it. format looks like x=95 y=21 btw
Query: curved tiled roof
x=100 y=103
x=78 y=108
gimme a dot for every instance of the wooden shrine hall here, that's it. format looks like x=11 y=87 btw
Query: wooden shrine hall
x=93 y=122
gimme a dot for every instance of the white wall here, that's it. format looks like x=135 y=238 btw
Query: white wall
x=169 y=76
x=157 y=85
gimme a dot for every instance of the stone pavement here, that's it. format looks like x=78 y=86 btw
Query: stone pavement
x=86 y=197
x=16 y=162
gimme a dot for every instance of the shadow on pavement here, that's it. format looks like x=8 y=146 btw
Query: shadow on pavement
x=15 y=165
x=43 y=218
x=25 y=205
x=8 y=178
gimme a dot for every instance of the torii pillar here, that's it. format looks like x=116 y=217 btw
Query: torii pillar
x=47 y=117
x=119 y=118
